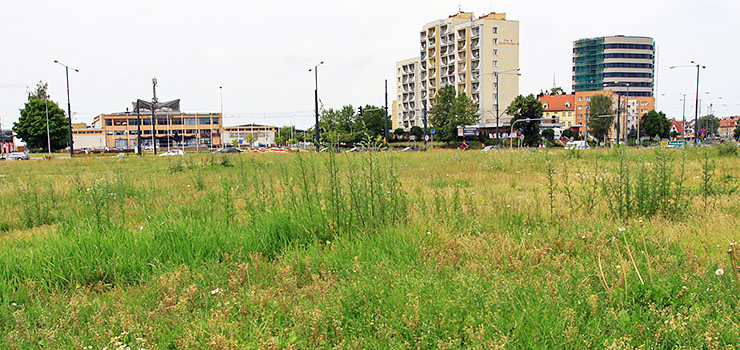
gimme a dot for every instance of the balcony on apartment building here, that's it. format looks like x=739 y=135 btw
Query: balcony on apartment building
x=462 y=55
x=461 y=67
x=461 y=34
x=461 y=45
x=474 y=77
x=475 y=87
x=474 y=32
x=475 y=54
x=474 y=65
x=475 y=97
x=475 y=43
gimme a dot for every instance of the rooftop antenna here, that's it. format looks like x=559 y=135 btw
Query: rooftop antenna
x=459 y=6
x=553 y=81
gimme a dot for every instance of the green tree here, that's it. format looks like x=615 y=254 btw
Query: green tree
x=279 y=140
x=710 y=123
x=451 y=111
x=600 y=105
x=527 y=107
x=549 y=134
x=417 y=132
x=31 y=126
x=737 y=131
x=399 y=133
x=249 y=139
x=371 y=123
x=655 y=124
x=568 y=134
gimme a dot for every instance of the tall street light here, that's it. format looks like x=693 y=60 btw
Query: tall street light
x=696 y=110
x=315 y=69
x=221 y=91
x=69 y=108
x=495 y=74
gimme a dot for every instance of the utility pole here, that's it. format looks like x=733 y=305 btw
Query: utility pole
x=69 y=108
x=221 y=138
x=154 y=121
x=424 y=119
x=138 y=128
x=316 y=102
x=683 y=123
x=48 y=137
x=495 y=74
x=619 y=109
x=385 y=140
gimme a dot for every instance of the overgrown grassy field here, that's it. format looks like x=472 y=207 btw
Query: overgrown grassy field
x=438 y=249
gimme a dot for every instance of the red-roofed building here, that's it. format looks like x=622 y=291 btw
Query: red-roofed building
x=676 y=127
x=560 y=108
x=727 y=126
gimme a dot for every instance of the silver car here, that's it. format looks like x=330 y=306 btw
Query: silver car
x=17 y=156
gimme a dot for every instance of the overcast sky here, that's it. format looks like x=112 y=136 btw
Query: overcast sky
x=260 y=51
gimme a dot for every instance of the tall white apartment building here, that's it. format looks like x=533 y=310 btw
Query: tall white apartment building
x=467 y=53
x=408 y=99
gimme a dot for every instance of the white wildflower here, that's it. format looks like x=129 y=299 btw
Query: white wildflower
x=719 y=272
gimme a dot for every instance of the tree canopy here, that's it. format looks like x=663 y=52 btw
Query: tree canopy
x=600 y=105
x=655 y=124
x=710 y=123
x=528 y=107
x=31 y=126
x=350 y=124
x=450 y=111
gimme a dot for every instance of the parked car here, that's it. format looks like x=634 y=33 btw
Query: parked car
x=228 y=150
x=17 y=156
x=173 y=152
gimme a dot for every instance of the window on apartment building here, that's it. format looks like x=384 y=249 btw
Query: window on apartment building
x=161 y=121
x=495 y=41
x=588 y=98
x=580 y=116
x=495 y=63
x=190 y=121
x=176 y=121
x=109 y=132
x=495 y=30
x=162 y=132
x=119 y=122
x=120 y=132
x=580 y=98
x=644 y=104
x=190 y=131
x=146 y=121
x=204 y=121
x=108 y=122
x=580 y=108
x=215 y=120
x=588 y=108
x=133 y=122
x=146 y=132
x=495 y=52
x=570 y=114
x=133 y=132
x=567 y=105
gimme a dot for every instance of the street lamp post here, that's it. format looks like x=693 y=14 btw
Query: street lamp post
x=511 y=139
x=48 y=137
x=69 y=108
x=495 y=74
x=696 y=106
x=221 y=91
x=315 y=69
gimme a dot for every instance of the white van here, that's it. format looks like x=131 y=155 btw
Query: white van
x=577 y=145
